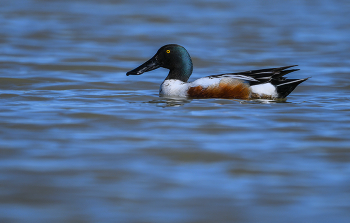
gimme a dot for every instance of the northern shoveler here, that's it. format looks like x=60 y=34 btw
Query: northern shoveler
x=255 y=84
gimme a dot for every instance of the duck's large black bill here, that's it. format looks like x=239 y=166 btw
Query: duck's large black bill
x=149 y=65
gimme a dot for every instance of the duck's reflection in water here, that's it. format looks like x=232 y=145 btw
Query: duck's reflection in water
x=176 y=102
x=170 y=102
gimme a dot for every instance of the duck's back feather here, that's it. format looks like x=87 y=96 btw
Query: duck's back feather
x=260 y=76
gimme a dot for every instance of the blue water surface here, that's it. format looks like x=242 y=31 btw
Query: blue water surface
x=82 y=142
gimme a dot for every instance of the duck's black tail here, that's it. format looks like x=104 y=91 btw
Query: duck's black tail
x=285 y=87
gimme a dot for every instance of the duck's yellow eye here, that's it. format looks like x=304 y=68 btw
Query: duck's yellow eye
x=167 y=51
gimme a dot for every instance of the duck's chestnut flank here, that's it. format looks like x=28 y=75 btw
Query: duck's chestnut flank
x=265 y=83
x=232 y=89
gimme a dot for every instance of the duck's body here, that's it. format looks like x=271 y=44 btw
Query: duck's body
x=255 y=84
x=226 y=86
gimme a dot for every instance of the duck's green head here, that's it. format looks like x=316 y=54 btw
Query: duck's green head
x=173 y=57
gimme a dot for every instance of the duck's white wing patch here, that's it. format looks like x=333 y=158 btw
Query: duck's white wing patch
x=237 y=76
x=174 y=88
x=264 y=89
x=205 y=82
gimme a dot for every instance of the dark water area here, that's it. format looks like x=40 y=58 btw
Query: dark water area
x=82 y=142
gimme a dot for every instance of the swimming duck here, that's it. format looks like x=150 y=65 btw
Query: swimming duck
x=254 y=84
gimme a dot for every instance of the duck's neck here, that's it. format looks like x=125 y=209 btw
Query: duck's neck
x=182 y=71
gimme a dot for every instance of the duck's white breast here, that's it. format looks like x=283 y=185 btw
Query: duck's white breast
x=175 y=88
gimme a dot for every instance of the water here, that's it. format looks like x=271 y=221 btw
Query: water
x=81 y=142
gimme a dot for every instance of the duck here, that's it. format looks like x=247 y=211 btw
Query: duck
x=269 y=83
